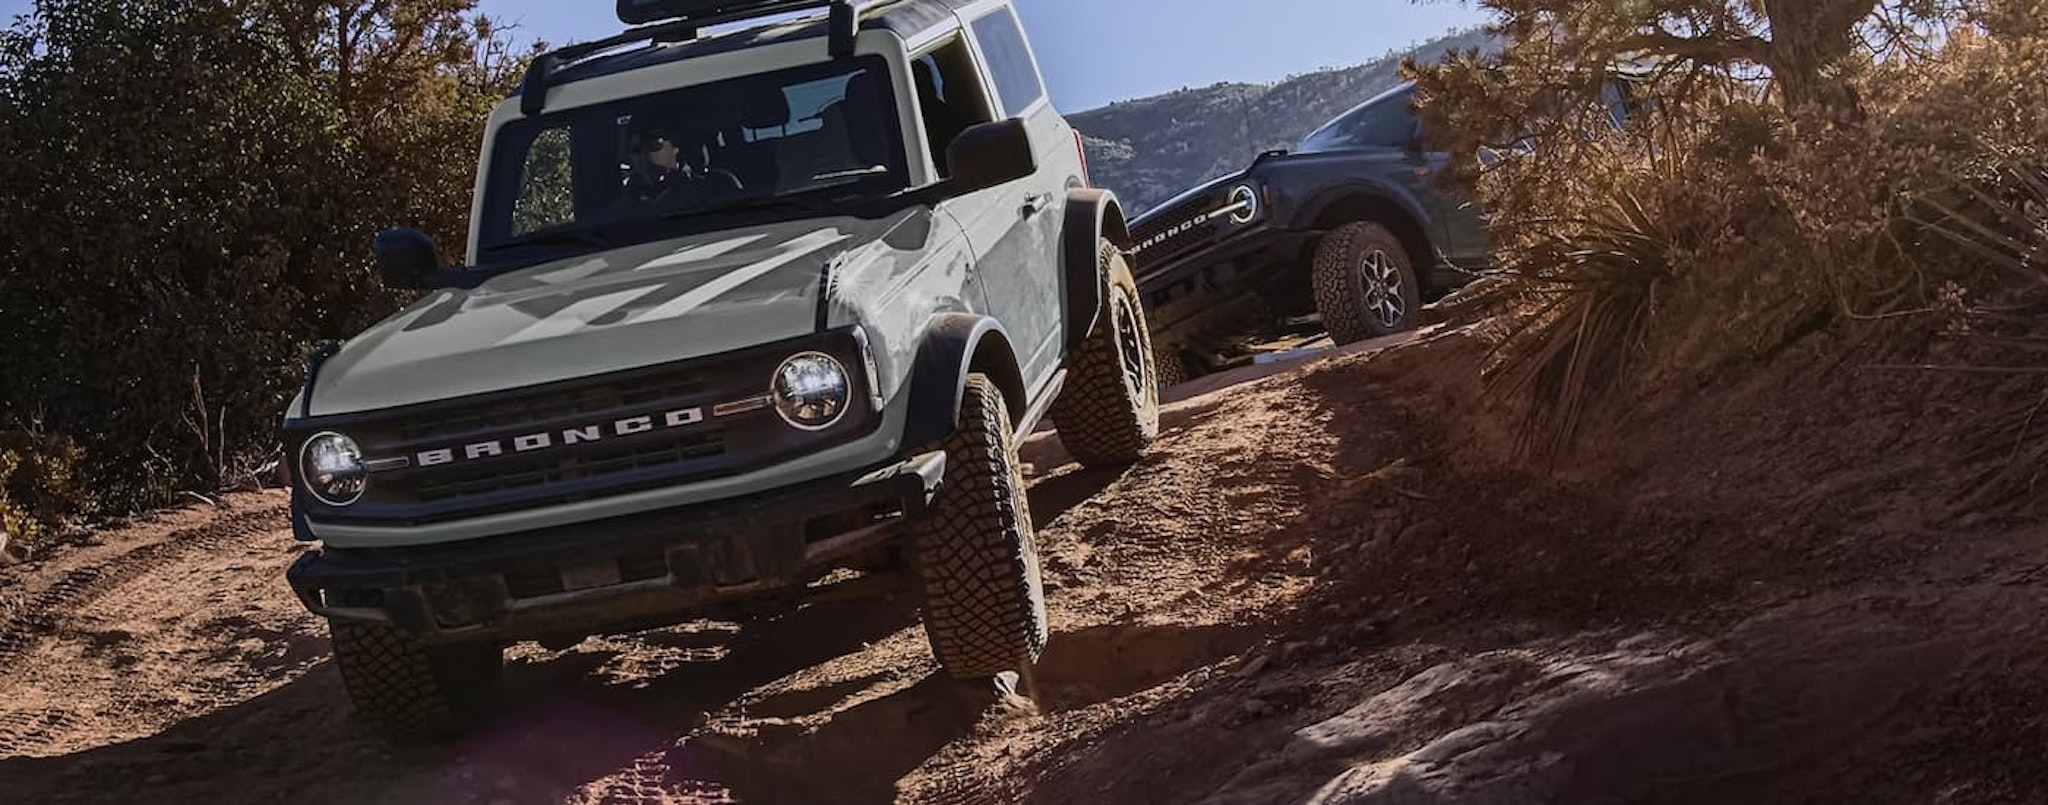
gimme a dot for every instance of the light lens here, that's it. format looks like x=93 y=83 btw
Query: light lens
x=332 y=467
x=811 y=391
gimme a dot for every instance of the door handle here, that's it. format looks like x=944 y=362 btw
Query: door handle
x=1036 y=203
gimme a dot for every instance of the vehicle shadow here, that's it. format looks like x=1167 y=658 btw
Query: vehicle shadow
x=566 y=721
x=860 y=753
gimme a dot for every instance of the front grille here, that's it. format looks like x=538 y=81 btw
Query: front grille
x=1186 y=226
x=432 y=469
x=486 y=478
x=554 y=405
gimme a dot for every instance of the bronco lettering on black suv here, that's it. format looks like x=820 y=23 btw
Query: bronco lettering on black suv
x=742 y=311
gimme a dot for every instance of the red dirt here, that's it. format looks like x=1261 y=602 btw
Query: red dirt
x=1762 y=590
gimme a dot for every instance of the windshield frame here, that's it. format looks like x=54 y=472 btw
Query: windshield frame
x=510 y=144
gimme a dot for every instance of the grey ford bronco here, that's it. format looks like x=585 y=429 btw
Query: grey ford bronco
x=745 y=312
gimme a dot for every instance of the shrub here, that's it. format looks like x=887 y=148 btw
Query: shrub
x=39 y=486
x=207 y=177
x=1724 y=223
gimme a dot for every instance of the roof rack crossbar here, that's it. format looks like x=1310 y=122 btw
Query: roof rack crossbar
x=844 y=27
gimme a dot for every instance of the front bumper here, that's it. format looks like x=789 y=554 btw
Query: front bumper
x=632 y=572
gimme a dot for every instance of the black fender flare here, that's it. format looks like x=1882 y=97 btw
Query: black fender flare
x=1093 y=214
x=954 y=346
x=1327 y=198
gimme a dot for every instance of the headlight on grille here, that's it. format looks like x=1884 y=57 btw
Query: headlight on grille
x=811 y=391
x=331 y=467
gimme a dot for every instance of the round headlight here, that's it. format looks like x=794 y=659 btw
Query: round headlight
x=332 y=467
x=811 y=391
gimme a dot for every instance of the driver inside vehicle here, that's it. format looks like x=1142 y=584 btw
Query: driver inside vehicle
x=666 y=167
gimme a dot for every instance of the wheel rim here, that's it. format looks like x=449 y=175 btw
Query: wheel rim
x=1130 y=344
x=1379 y=287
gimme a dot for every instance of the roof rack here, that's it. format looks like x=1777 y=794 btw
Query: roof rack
x=682 y=21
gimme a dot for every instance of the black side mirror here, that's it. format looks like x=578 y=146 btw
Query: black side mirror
x=405 y=258
x=991 y=155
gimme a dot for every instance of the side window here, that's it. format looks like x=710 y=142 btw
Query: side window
x=546 y=197
x=1388 y=125
x=1009 y=59
x=950 y=97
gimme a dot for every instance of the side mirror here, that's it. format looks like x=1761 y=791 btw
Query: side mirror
x=991 y=155
x=405 y=258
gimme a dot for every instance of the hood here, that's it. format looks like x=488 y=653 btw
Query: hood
x=611 y=311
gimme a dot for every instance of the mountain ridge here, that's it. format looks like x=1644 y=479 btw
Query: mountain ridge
x=1149 y=149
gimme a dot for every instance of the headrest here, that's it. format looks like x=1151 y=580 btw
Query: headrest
x=768 y=110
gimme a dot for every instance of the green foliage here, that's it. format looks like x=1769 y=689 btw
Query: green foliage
x=39 y=485
x=207 y=175
x=545 y=192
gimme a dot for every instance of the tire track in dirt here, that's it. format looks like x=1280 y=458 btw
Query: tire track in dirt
x=80 y=588
x=30 y=674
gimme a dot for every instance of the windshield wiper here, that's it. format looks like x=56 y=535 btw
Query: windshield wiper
x=567 y=237
x=750 y=205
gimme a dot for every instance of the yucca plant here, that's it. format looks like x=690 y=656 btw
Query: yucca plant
x=1589 y=284
x=1999 y=219
x=2002 y=221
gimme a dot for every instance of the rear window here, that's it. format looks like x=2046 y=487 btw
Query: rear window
x=1009 y=58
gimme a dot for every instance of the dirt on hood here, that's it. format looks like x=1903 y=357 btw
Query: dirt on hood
x=1337 y=585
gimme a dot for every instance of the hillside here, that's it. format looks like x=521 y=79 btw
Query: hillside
x=1151 y=148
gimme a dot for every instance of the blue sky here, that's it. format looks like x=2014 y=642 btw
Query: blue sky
x=1097 y=51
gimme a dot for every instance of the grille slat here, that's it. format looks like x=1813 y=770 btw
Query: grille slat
x=487 y=477
x=550 y=407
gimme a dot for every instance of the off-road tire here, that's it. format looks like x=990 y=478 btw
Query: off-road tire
x=1351 y=311
x=984 y=598
x=1108 y=412
x=412 y=691
x=1171 y=366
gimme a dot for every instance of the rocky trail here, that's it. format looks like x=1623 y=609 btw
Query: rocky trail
x=1333 y=585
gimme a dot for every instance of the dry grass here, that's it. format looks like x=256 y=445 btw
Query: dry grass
x=1715 y=232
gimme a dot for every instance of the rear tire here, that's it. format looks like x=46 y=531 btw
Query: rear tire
x=984 y=598
x=1171 y=366
x=1108 y=412
x=1365 y=283
x=413 y=691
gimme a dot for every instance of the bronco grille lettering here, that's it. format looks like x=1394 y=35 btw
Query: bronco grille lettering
x=532 y=442
x=1243 y=207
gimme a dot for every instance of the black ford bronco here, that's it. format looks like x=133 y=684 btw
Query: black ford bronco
x=742 y=312
x=1348 y=233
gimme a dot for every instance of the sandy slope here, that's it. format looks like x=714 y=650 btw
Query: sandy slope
x=1334 y=584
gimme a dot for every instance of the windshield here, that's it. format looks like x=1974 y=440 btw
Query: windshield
x=581 y=176
x=1383 y=122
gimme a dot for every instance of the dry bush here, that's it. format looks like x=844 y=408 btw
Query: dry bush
x=1721 y=227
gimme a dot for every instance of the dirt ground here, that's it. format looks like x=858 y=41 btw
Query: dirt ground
x=1334 y=585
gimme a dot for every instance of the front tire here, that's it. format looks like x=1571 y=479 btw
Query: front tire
x=413 y=691
x=1108 y=413
x=1365 y=283
x=984 y=598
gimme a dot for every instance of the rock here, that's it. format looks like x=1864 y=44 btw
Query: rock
x=1255 y=667
x=1475 y=764
x=1440 y=697
x=11 y=552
